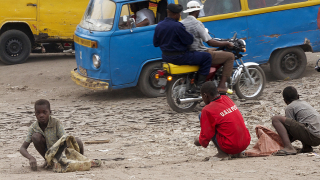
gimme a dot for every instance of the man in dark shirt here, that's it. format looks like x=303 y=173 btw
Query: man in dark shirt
x=173 y=39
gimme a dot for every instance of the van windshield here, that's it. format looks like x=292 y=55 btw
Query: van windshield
x=99 y=15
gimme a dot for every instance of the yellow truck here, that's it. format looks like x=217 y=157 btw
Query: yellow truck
x=25 y=23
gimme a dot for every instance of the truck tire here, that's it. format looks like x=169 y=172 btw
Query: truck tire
x=15 y=47
x=148 y=84
x=288 y=63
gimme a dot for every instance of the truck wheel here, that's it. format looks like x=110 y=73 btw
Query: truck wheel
x=15 y=47
x=148 y=84
x=288 y=63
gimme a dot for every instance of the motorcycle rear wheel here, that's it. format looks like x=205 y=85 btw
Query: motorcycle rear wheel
x=177 y=89
x=243 y=87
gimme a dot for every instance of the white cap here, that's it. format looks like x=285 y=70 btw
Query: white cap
x=193 y=6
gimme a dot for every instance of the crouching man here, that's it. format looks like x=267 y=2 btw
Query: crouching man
x=221 y=122
x=46 y=131
x=301 y=122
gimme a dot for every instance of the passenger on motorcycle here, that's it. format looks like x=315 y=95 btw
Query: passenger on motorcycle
x=173 y=39
x=200 y=34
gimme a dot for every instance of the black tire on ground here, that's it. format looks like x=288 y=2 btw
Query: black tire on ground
x=254 y=92
x=172 y=101
x=288 y=63
x=148 y=84
x=15 y=47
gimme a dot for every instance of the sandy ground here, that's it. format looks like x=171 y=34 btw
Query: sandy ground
x=148 y=139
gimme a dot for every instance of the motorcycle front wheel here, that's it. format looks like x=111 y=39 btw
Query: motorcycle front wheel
x=245 y=89
x=175 y=91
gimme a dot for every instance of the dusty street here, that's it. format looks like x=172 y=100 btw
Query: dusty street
x=147 y=139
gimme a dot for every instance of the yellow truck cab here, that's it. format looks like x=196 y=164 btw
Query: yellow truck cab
x=24 y=23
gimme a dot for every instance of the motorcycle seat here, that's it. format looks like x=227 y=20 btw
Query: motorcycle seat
x=180 y=69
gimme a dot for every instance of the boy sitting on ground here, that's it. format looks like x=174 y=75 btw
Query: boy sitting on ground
x=46 y=131
x=221 y=122
x=301 y=122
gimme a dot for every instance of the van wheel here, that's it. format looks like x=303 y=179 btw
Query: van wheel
x=148 y=84
x=15 y=47
x=288 y=63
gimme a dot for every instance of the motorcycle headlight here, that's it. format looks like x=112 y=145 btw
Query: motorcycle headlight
x=96 y=61
x=242 y=42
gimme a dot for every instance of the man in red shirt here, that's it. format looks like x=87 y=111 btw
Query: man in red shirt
x=221 y=122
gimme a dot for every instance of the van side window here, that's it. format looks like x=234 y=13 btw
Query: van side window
x=214 y=7
x=138 y=11
x=256 y=4
x=124 y=17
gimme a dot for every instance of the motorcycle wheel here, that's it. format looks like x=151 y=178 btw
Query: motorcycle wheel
x=245 y=89
x=176 y=90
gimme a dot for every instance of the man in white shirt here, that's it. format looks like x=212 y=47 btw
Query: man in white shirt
x=144 y=17
x=197 y=29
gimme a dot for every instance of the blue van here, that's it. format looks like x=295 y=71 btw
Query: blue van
x=112 y=53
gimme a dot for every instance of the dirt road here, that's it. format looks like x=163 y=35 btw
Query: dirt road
x=148 y=139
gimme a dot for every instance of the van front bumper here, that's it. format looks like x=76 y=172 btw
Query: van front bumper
x=88 y=82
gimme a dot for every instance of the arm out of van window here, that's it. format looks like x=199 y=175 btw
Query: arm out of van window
x=145 y=22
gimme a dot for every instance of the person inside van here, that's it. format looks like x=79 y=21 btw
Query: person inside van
x=144 y=16
x=173 y=39
x=197 y=29
x=223 y=7
x=256 y=4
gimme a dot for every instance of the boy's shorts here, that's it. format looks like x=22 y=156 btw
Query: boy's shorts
x=299 y=131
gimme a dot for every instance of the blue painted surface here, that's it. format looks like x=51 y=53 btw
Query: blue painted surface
x=124 y=53
x=270 y=31
x=103 y=39
x=128 y=51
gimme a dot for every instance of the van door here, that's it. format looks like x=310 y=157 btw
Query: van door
x=129 y=50
x=20 y=10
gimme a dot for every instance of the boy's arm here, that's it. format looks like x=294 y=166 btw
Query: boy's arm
x=24 y=152
x=207 y=128
x=289 y=113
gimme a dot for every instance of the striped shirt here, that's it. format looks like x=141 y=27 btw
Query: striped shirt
x=304 y=113
x=200 y=35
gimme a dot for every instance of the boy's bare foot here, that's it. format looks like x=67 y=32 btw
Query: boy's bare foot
x=285 y=152
x=239 y=155
x=221 y=155
x=46 y=166
x=290 y=150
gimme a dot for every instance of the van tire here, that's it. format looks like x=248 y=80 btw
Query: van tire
x=15 y=47
x=288 y=63
x=147 y=82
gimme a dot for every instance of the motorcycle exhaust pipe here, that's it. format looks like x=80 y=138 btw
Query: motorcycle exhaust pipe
x=189 y=100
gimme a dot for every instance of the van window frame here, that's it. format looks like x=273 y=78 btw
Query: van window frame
x=245 y=11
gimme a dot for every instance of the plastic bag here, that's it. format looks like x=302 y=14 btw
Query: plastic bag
x=268 y=142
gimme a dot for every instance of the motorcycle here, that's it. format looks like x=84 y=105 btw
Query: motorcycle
x=317 y=67
x=248 y=79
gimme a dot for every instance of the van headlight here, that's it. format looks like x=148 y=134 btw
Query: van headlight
x=96 y=61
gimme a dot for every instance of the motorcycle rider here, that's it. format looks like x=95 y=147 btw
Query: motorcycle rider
x=173 y=39
x=200 y=34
